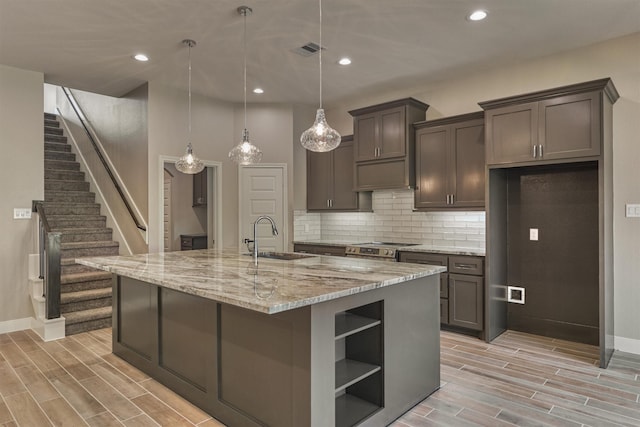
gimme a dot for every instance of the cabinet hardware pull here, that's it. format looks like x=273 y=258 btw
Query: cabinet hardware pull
x=453 y=199
x=535 y=151
x=465 y=266
x=540 y=150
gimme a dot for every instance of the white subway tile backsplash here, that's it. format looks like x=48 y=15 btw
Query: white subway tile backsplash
x=393 y=219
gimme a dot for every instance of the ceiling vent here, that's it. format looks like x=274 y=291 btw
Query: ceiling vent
x=308 y=49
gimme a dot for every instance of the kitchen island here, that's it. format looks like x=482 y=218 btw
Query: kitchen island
x=308 y=341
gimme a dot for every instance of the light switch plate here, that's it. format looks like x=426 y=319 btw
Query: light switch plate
x=21 y=213
x=632 y=210
x=533 y=234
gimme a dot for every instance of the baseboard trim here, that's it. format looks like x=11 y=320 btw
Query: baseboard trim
x=15 y=325
x=49 y=329
x=628 y=345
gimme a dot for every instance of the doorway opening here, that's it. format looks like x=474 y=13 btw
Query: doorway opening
x=190 y=207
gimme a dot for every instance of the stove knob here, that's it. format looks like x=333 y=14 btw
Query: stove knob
x=386 y=251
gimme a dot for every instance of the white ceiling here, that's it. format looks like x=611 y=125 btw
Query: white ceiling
x=89 y=44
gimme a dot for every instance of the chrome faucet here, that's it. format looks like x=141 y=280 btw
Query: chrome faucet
x=274 y=230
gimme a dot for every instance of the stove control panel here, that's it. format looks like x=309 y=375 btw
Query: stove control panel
x=371 y=251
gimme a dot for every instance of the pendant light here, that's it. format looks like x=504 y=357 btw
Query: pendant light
x=245 y=153
x=189 y=163
x=320 y=136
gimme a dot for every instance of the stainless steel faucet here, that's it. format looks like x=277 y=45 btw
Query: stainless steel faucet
x=274 y=230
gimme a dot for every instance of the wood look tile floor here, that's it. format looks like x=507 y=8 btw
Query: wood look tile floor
x=519 y=379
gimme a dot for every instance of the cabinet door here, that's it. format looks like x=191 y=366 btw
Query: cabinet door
x=366 y=136
x=511 y=133
x=466 y=301
x=468 y=165
x=343 y=195
x=318 y=180
x=392 y=133
x=570 y=126
x=431 y=167
x=200 y=188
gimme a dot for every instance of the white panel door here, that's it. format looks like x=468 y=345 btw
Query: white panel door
x=262 y=192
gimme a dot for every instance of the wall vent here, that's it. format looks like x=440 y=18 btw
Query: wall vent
x=308 y=49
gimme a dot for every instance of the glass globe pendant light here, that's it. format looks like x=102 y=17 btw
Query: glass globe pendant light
x=189 y=163
x=320 y=136
x=245 y=153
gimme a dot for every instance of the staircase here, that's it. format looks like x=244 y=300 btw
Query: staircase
x=85 y=293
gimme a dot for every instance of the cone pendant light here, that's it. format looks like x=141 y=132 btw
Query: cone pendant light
x=320 y=136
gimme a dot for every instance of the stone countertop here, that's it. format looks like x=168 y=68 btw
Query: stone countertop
x=449 y=250
x=274 y=286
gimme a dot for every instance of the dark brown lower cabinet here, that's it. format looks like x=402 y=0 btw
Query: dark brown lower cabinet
x=461 y=289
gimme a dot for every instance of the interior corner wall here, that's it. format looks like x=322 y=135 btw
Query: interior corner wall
x=21 y=181
x=616 y=58
x=121 y=126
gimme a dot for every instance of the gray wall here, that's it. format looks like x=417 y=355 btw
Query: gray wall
x=21 y=181
x=121 y=125
x=216 y=128
x=618 y=59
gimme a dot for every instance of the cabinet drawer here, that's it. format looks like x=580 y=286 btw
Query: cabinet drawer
x=423 y=258
x=466 y=265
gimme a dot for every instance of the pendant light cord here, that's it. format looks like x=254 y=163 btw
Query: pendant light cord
x=190 y=92
x=320 y=53
x=244 y=48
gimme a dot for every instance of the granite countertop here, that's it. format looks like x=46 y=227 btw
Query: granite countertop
x=450 y=250
x=274 y=286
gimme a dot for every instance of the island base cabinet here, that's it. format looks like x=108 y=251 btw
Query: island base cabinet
x=248 y=368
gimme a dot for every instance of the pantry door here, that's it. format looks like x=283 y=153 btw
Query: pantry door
x=263 y=191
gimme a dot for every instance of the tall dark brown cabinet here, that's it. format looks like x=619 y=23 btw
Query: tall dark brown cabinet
x=549 y=210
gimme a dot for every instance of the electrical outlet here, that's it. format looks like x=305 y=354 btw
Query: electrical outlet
x=632 y=210
x=21 y=213
x=515 y=294
x=533 y=234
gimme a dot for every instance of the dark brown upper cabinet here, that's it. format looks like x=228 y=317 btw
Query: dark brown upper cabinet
x=450 y=165
x=200 y=189
x=384 y=144
x=554 y=125
x=330 y=180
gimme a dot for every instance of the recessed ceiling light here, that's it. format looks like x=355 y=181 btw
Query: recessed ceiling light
x=141 y=57
x=344 y=61
x=258 y=90
x=477 y=15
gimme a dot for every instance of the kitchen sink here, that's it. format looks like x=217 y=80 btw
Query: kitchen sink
x=287 y=256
